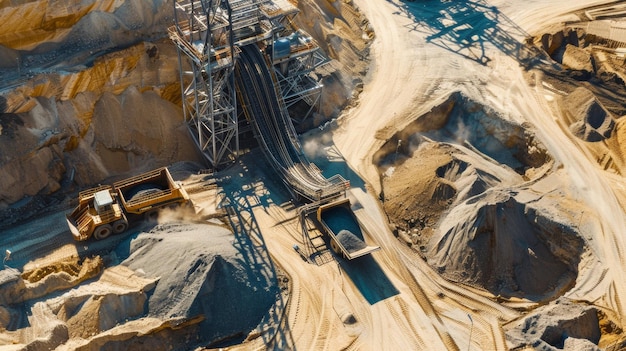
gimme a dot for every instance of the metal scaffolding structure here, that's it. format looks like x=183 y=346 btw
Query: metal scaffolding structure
x=209 y=35
x=294 y=73
x=204 y=37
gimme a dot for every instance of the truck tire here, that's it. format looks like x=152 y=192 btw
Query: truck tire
x=120 y=226
x=102 y=232
x=335 y=247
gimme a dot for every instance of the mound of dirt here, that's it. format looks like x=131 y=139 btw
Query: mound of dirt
x=456 y=151
x=562 y=325
x=590 y=120
x=577 y=58
x=509 y=243
x=461 y=121
x=437 y=177
x=202 y=273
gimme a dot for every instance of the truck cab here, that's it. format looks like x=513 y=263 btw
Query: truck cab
x=106 y=210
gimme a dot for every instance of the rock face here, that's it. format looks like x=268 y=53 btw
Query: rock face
x=84 y=96
x=562 y=325
x=113 y=118
x=39 y=34
x=590 y=120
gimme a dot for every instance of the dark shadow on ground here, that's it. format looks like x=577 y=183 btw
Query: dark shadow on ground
x=364 y=271
x=369 y=278
x=244 y=188
x=465 y=27
x=321 y=151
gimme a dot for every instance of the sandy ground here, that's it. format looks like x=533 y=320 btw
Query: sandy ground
x=414 y=75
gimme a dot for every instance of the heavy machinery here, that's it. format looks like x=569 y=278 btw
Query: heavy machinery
x=107 y=210
x=343 y=229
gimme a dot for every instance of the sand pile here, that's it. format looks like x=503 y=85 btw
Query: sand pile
x=508 y=243
x=464 y=122
x=180 y=285
x=202 y=274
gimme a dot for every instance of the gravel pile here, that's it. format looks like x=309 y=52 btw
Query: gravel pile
x=202 y=274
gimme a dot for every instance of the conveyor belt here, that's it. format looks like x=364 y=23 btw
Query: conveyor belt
x=266 y=111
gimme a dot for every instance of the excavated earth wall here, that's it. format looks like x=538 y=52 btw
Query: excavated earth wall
x=91 y=89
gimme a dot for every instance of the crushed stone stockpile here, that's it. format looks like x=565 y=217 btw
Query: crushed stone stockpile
x=508 y=243
x=202 y=273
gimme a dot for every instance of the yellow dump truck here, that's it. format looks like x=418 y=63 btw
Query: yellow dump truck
x=107 y=210
x=344 y=230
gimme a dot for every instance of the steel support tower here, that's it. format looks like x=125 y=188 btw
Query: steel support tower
x=203 y=35
x=208 y=35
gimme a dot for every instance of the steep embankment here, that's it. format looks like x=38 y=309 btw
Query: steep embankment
x=90 y=91
x=72 y=112
x=345 y=35
x=114 y=117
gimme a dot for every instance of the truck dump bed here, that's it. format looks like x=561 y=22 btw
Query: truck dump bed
x=152 y=189
x=342 y=226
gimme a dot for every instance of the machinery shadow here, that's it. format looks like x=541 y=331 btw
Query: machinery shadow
x=239 y=199
x=369 y=278
x=466 y=27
